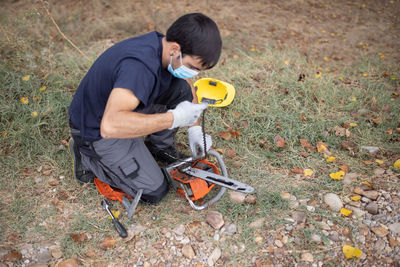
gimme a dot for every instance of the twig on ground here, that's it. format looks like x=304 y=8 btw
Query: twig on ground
x=61 y=33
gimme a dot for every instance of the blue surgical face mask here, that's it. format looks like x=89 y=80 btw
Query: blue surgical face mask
x=182 y=72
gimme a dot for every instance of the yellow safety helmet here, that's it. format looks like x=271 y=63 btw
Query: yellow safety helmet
x=214 y=92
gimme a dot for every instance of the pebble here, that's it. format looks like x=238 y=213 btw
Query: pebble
x=214 y=256
x=237 y=197
x=324 y=226
x=380 y=245
x=216 y=237
x=179 y=230
x=311 y=208
x=379 y=171
x=365 y=200
x=299 y=216
x=333 y=201
x=359 y=213
x=278 y=243
x=188 y=251
x=371 y=194
x=395 y=227
x=363 y=111
x=334 y=236
x=286 y=195
x=316 y=238
x=185 y=241
x=215 y=219
x=370 y=149
x=285 y=239
x=257 y=223
x=307 y=257
x=372 y=208
x=349 y=178
x=231 y=229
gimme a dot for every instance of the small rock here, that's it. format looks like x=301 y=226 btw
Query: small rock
x=285 y=195
x=258 y=239
x=349 y=178
x=371 y=194
x=237 y=197
x=215 y=219
x=359 y=213
x=334 y=236
x=307 y=257
x=379 y=171
x=278 y=243
x=68 y=263
x=56 y=253
x=365 y=200
x=257 y=223
x=216 y=236
x=372 y=208
x=380 y=245
x=359 y=191
x=316 y=238
x=370 y=149
x=311 y=208
x=392 y=242
x=363 y=111
x=380 y=231
x=215 y=255
x=146 y=264
x=333 y=201
x=231 y=229
x=395 y=227
x=188 y=251
x=179 y=230
x=324 y=226
x=285 y=239
x=250 y=199
x=299 y=216
x=44 y=257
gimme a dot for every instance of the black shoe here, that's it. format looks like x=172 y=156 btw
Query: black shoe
x=82 y=175
x=166 y=155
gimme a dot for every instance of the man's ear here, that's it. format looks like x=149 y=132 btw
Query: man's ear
x=174 y=48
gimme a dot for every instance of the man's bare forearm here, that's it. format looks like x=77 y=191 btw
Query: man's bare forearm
x=127 y=124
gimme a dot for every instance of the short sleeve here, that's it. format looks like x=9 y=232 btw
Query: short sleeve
x=135 y=76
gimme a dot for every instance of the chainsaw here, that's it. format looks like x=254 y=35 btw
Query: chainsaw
x=193 y=179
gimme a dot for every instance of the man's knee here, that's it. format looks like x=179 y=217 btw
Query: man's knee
x=181 y=90
x=156 y=196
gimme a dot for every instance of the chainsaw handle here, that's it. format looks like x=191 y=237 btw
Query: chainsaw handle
x=221 y=191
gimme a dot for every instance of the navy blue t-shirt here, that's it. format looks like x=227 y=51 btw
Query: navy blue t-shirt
x=134 y=64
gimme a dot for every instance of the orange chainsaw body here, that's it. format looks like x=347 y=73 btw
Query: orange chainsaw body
x=199 y=188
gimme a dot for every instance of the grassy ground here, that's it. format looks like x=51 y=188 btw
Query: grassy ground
x=280 y=91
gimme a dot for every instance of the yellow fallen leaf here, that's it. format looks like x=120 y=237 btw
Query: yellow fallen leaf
x=4 y=134
x=337 y=175
x=354 y=99
x=379 y=161
x=318 y=74
x=330 y=159
x=367 y=183
x=42 y=88
x=252 y=49
x=321 y=147
x=286 y=62
x=116 y=214
x=365 y=74
x=308 y=172
x=397 y=164
x=351 y=252
x=355 y=198
x=24 y=100
x=353 y=124
x=26 y=78
x=346 y=212
x=34 y=114
x=326 y=58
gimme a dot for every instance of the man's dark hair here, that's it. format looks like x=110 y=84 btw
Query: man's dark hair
x=198 y=36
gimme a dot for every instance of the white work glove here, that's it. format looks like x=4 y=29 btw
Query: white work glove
x=196 y=141
x=186 y=113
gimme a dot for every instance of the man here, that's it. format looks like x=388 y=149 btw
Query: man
x=139 y=87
